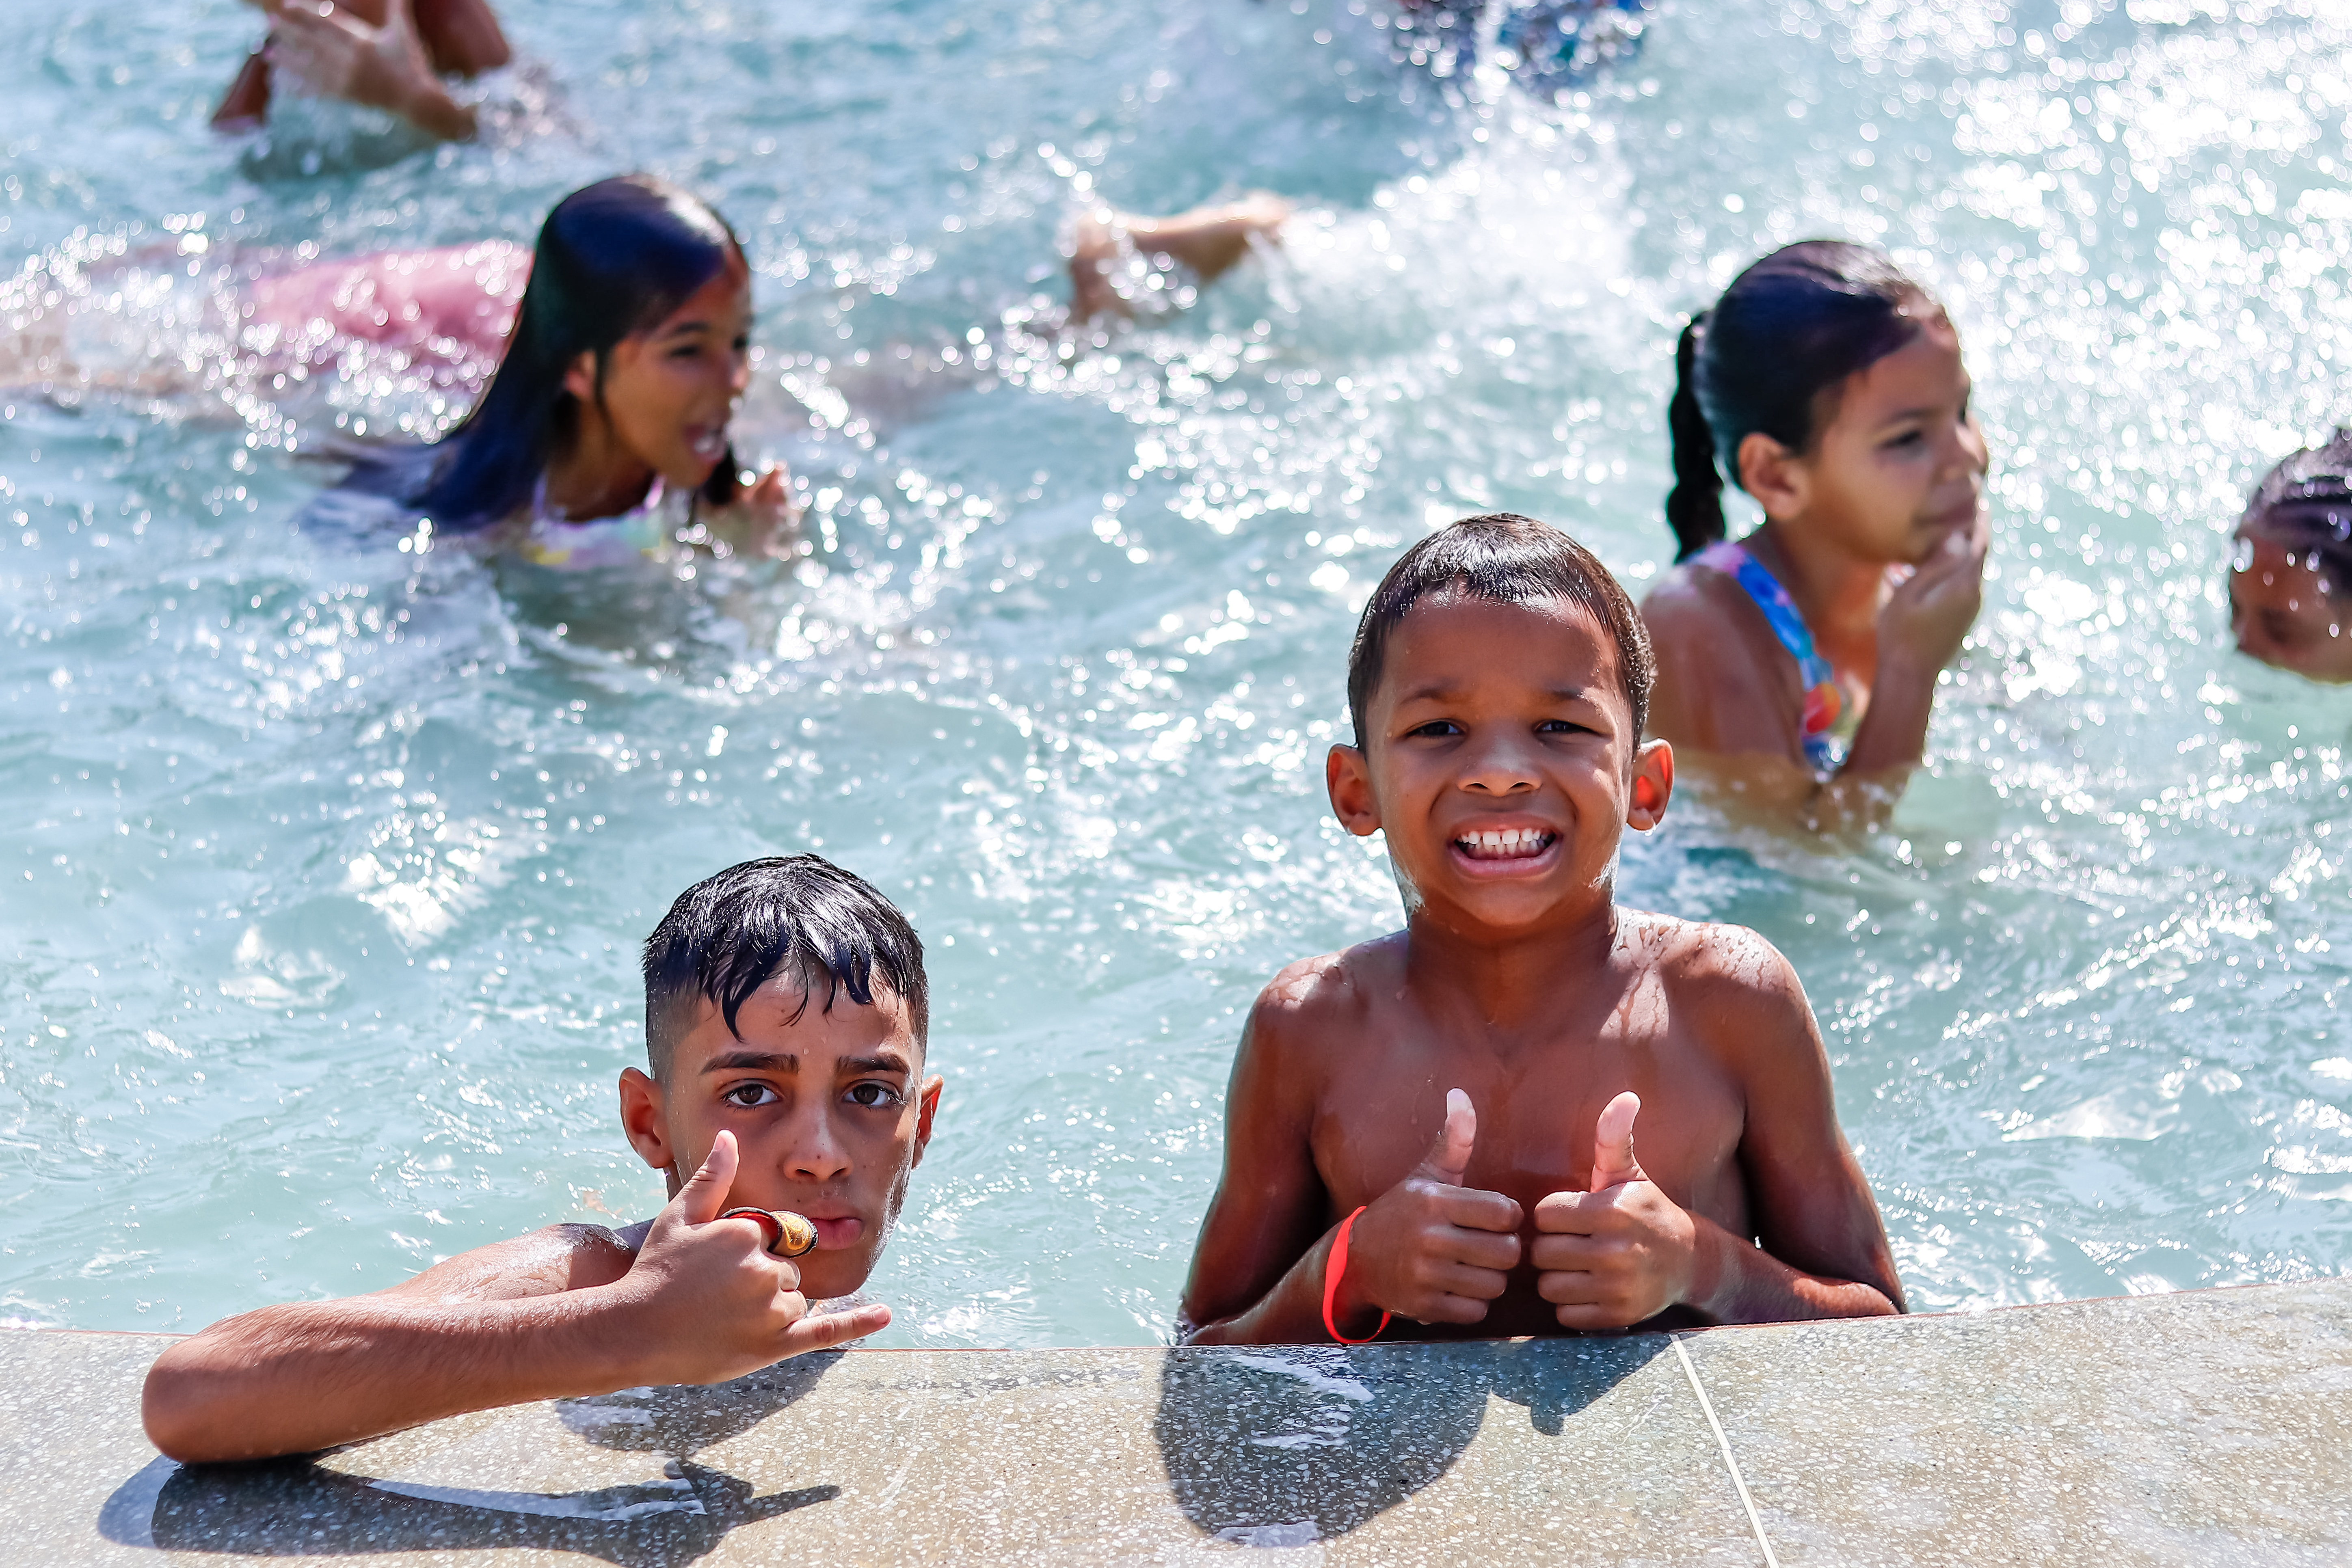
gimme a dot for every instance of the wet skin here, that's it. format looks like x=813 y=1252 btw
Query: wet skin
x=1895 y=479
x=822 y=1110
x=829 y=1113
x=1502 y=771
x=2284 y=611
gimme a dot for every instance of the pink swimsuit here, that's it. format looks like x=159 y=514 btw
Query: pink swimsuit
x=455 y=303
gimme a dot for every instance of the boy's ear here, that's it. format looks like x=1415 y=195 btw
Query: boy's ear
x=1348 y=776
x=930 y=1104
x=1654 y=786
x=579 y=376
x=642 y=1122
x=1775 y=476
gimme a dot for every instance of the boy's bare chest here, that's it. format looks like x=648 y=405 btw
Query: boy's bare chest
x=1536 y=1106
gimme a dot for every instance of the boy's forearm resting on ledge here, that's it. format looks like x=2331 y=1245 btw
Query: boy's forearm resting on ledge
x=1734 y=1281
x=304 y=1376
x=1291 y=1313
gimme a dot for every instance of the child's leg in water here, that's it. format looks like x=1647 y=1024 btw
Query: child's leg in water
x=1206 y=242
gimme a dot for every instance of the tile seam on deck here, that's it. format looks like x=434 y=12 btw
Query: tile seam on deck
x=1723 y=1446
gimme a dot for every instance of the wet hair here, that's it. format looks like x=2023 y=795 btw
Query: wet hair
x=612 y=259
x=2306 y=501
x=1792 y=327
x=1504 y=558
x=800 y=916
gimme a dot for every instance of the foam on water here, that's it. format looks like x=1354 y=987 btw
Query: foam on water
x=333 y=854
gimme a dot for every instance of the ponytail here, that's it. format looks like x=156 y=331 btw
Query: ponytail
x=1694 y=505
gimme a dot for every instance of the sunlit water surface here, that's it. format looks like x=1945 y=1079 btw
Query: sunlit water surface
x=327 y=859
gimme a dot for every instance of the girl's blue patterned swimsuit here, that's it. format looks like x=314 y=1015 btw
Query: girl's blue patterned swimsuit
x=1825 y=737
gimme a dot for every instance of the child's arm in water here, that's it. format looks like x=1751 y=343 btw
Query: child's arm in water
x=1621 y=1252
x=1110 y=255
x=1428 y=1248
x=373 y=52
x=564 y=1312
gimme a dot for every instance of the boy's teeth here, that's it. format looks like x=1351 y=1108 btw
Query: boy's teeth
x=1493 y=843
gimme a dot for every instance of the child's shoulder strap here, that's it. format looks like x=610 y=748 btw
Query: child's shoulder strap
x=1823 y=699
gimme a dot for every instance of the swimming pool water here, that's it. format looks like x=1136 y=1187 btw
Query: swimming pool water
x=329 y=859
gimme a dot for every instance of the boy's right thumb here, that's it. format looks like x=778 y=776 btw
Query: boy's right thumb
x=704 y=1192
x=1449 y=1156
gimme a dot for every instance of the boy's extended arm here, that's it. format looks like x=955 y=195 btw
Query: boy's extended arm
x=562 y=1312
x=1257 y=1270
x=1819 y=1237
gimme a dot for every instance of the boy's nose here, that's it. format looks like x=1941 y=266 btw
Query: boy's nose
x=1499 y=771
x=817 y=1154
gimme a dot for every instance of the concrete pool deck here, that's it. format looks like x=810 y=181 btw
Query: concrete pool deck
x=2203 y=1427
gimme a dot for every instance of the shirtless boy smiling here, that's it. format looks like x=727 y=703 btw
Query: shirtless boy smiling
x=1457 y=1101
x=786 y=1015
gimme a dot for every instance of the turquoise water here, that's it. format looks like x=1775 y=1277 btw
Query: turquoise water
x=317 y=942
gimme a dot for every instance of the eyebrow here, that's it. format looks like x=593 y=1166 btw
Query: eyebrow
x=767 y=1060
x=1904 y=416
x=890 y=1064
x=1440 y=693
x=786 y=1061
x=1926 y=409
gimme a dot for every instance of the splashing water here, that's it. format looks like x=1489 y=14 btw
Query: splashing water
x=333 y=853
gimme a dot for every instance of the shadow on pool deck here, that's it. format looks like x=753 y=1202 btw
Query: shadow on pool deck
x=294 y=1509
x=299 y=1507
x=1266 y=1447
x=2207 y=1427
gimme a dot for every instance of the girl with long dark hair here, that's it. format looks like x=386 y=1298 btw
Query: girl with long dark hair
x=1829 y=386
x=602 y=436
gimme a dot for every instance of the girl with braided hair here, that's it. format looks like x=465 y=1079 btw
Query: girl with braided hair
x=1829 y=386
x=2291 y=566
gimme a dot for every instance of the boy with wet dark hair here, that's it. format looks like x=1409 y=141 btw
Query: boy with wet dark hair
x=1436 y=1127
x=786 y=1015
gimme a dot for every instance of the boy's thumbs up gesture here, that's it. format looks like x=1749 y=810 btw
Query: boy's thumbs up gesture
x=1429 y=1248
x=1621 y=1252
x=706 y=1300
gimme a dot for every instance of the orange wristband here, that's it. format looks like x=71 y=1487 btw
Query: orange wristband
x=1333 y=1268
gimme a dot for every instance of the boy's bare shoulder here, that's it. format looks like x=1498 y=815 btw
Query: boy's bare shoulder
x=1708 y=964
x=1309 y=998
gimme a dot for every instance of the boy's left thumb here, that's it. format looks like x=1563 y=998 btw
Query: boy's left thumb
x=1612 y=1143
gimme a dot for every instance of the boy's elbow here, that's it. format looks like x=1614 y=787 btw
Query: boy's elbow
x=173 y=1408
x=1857 y=1299
x=189 y=1407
